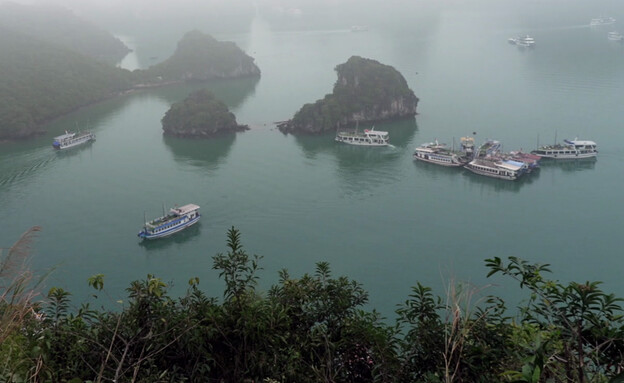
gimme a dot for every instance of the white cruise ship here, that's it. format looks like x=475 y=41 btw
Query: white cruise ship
x=570 y=149
x=369 y=137
x=71 y=139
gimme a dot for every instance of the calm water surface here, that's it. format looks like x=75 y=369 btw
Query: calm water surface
x=374 y=214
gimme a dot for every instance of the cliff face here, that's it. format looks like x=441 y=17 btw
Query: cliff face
x=365 y=91
x=201 y=57
x=199 y=115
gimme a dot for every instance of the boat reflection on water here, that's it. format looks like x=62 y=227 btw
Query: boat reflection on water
x=498 y=184
x=570 y=165
x=189 y=234
x=436 y=171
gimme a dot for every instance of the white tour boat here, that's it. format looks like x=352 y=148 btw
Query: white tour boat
x=69 y=140
x=615 y=36
x=369 y=137
x=570 y=149
x=601 y=21
x=440 y=154
x=497 y=168
x=178 y=219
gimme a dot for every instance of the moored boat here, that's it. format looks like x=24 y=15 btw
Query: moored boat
x=531 y=160
x=497 y=168
x=368 y=137
x=440 y=154
x=71 y=139
x=570 y=149
x=178 y=219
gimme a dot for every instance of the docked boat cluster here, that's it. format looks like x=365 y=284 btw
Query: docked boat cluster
x=489 y=160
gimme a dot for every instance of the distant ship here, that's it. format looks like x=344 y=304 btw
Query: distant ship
x=601 y=21
x=359 y=28
x=522 y=41
x=615 y=36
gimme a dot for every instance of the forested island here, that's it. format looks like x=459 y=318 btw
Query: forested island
x=199 y=56
x=41 y=80
x=201 y=114
x=57 y=25
x=307 y=329
x=365 y=91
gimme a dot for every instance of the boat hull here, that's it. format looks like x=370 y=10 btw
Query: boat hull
x=361 y=143
x=565 y=156
x=439 y=160
x=493 y=171
x=146 y=234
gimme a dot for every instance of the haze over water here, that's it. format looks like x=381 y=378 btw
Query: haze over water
x=373 y=214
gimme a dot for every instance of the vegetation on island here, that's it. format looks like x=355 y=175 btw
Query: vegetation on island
x=57 y=25
x=49 y=68
x=40 y=81
x=311 y=328
x=200 y=56
x=201 y=114
x=365 y=91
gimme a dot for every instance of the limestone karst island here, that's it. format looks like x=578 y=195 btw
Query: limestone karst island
x=50 y=70
x=200 y=115
x=365 y=91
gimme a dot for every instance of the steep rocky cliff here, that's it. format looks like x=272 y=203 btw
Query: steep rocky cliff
x=365 y=91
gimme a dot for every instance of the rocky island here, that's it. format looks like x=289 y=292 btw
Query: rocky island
x=365 y=91
x=41 y=80
x=201 y=114
x=199 y=56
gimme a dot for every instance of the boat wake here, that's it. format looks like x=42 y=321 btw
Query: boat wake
x=33 y=165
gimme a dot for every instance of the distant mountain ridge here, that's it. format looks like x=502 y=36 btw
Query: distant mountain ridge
x=41 y=80
x=59 y=25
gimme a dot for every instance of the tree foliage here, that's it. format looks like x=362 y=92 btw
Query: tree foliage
x=315 y=328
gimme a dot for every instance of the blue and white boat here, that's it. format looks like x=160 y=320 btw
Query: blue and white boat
x=179 y=218
x=71 y=139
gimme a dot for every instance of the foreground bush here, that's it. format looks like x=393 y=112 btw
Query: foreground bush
x=314 y=329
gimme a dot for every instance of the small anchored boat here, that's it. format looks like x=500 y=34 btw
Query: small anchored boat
x=440 y=154
x=179 y=218
x=570 y=149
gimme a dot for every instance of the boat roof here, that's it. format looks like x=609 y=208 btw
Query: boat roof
x=64 y=136
x=579 y=142
x=373 y=131
x=185 y=209
x=511 y=165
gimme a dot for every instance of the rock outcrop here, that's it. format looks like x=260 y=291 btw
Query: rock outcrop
x=365 y=91
x=201 y=114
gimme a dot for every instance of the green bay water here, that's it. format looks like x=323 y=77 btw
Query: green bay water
x=373 y=214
